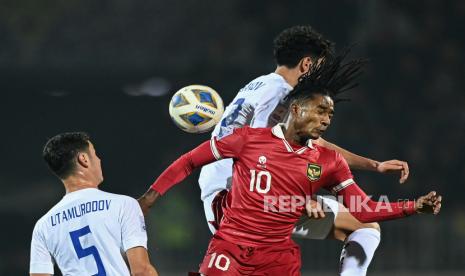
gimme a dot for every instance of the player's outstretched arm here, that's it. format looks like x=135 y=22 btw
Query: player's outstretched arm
x=229 y=146
x=358 y=162
x=367 y=210
x=177 y=172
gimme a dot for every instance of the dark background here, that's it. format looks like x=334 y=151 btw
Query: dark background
x=110 y=67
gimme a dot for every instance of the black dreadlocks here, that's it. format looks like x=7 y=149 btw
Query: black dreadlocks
x=329 y=77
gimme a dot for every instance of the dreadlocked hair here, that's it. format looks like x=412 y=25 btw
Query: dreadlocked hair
x=331 y=76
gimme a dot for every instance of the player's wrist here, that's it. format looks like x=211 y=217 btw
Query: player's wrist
x=409 y=208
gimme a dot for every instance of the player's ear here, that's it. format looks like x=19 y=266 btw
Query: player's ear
x=304 y=65
x=83 y=159
x=295 y=109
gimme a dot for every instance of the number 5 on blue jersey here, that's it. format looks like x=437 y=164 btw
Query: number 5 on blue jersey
x=83 y=252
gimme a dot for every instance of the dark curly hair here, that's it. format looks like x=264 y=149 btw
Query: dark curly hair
x=61 y=150
x=297 y=42
x=332 y=76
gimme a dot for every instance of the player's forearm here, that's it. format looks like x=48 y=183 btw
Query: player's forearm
x=382 y=211
x=147 y=270
x=367 y=210
x=356 y=162
x=139 y=262
x=148 y=199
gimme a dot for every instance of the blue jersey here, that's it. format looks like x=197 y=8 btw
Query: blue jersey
x=86 y=233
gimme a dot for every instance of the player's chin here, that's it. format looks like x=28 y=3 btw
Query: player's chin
x=314 y=135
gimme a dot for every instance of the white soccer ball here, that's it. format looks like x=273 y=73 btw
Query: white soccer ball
x=196 y=108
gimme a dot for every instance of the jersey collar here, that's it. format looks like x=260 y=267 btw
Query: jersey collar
x=277 y=131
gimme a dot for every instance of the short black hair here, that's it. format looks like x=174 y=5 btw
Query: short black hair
x=297 y=42
x=332 y=76
x=61 y=151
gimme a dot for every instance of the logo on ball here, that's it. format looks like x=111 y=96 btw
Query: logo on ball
x=196 y=108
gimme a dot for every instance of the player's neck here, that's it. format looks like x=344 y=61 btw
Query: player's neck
x=76 y=183
x=291 y=76
x=291 y=136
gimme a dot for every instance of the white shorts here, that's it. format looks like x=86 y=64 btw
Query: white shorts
x=215 y=177
x=318 y=229
x=209 y=213
x=305 y=228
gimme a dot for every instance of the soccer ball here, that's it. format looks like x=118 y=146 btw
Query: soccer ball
x=196 y=108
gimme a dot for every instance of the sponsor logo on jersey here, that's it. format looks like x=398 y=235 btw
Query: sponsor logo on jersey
x=313 y=172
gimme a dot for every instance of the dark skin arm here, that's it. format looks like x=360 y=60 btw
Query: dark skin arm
x=358 y=162
x=147 y=200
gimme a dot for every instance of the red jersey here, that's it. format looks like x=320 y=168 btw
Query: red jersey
x=269 y=174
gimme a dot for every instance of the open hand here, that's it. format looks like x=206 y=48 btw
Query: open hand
x=430 y=203
x=314 y=209
x=394 y=166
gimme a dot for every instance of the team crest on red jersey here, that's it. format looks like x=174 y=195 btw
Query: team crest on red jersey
x=313 y=171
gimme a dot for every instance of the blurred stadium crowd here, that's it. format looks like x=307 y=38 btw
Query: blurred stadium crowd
x=109 y=67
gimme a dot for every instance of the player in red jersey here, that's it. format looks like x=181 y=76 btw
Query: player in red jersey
x=274 y=169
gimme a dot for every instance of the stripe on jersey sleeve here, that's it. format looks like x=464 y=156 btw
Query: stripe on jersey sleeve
x=343 y=185
x=214 y=149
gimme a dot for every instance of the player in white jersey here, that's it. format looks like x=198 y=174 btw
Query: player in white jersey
x=89 y=232
x=261 y=104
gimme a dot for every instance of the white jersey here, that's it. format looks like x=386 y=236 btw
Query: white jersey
x=86 y=233
x=258 y=104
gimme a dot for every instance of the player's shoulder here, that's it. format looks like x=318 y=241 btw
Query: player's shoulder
x=44 y=221
x=245 y=131
x=327 y=153
x=123 y=199
x=52 y=211
x=273 y=78
x=266 y=82
x=251 y=131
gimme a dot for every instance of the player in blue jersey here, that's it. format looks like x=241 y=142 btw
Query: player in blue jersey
x=87 y=231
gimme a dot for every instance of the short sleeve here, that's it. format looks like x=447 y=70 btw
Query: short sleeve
x=133 y=229
x=41 y=260
x=230 y=145
x=340 y=176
